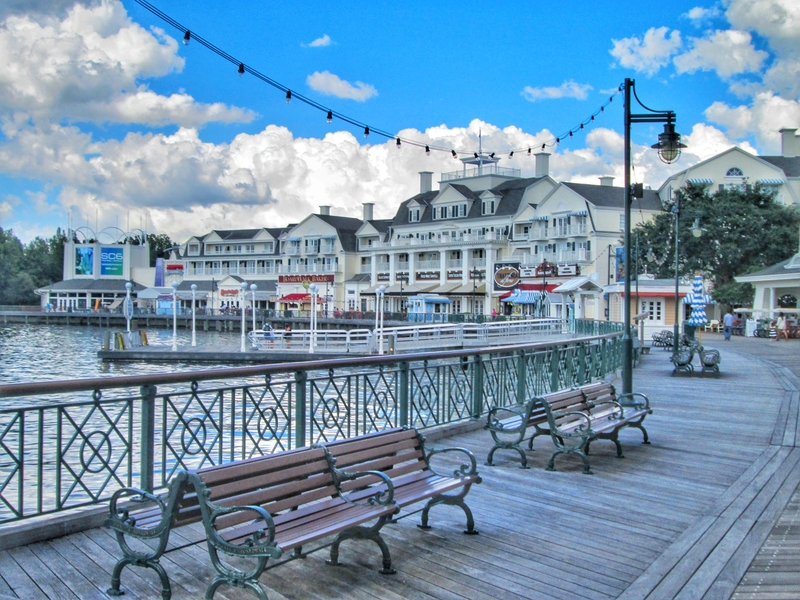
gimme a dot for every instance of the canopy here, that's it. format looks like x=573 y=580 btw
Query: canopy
x=300 y=298
x=698 y=297
x=523 y=297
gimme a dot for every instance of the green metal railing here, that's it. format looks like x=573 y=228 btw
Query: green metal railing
x=83 y=439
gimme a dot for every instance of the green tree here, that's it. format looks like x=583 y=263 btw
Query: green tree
x=12 y=258
x=159 y=244
x=744 y=230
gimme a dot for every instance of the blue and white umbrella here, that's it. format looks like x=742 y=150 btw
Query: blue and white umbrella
x=698 y=299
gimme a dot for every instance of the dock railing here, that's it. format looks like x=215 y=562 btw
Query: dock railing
x=65 y=444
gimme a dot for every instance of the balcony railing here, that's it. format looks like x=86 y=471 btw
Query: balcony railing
x=429 y=264
x=480 y=171
x=455 y=263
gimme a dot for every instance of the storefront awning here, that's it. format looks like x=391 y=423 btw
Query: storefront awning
x=523 y=297
x=299 y=298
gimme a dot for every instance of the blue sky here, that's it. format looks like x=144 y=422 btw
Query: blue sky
x=106 y=119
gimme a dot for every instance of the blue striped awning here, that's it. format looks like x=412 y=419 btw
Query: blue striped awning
x=700 y=181
x=580 y=213
x=545 y=218
x=293 y=239
x=770 y=181
x=705 y=299
x=523 y=297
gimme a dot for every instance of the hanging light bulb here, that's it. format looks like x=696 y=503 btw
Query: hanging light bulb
x=288 y=96
x=476 y=154
x=330 y=116
x=366 y=132
x=558 y=140
x=570 y=134
x=581 y=125
x=241 y=69
x=529 y=151
x=427 y=150
x=186 y=37
x=453 y=152
x=491 y=155
x=592 y=117
x=511 y=155
x=543 y=147
x=398 y=143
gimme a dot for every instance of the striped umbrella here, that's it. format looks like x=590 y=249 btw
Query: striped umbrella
x=698 y=300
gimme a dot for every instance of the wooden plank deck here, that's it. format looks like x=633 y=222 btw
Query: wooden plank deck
x=709 y=510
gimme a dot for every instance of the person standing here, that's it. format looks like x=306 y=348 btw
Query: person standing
x=727 y=325
x=780 y=328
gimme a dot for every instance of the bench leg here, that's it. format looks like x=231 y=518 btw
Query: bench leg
x=253 y=585
x=523 y=458
x=586 y=468
x=114 y=590
x=364 y=533
x=450 y=501
x=643 y=430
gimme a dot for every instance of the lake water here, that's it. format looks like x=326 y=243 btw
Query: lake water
x=52 y=352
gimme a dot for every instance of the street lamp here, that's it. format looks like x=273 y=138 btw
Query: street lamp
x=128 y=311
x=174 y=316
x=379 y=294
x=242 y=303
x=314 y=289
x=669 y=149
x=696 y=232
x=194 y=330
x=253 y=288
x=475 y=274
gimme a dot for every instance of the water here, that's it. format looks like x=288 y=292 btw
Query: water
x=31 y=353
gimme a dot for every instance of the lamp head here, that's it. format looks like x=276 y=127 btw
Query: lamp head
x=669 y=144
x=253 y=287
x=244 y=286
x=193 y=287
x=697 y=231
x=174 y=285
x=128 y=286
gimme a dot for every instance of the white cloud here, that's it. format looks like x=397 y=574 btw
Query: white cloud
x=650 y=54
x=320 y=42
x=331 y=85
x=38 y=200
x=766 y=115
x=6 y=210
x=568 y=89
x=698 y=15
x=728 y=52
x=86 y=67
x=776 y=20
x=706 y=141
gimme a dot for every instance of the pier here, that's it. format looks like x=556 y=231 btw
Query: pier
x=708 y=510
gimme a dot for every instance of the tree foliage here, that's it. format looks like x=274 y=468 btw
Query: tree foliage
x=744 y=230
x=27 y=267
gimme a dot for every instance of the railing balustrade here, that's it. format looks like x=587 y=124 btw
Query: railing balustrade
x=66 y=444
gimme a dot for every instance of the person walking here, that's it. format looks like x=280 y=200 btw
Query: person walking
x=780 y=328
x=727 y=325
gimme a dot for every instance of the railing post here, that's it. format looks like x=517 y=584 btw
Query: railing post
x=404 y=394
x=554 y=370
x=300 y=378
x=477 y=386
x=522 y=377
x=148 y=438
x=582 y=363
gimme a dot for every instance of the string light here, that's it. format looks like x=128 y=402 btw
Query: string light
x=366 y=132
x=427 y=150
x=330 y=113
x=511 y=155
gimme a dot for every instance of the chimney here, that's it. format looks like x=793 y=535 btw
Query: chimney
x=789 y=142
x=325 y=209
x=425 y=181
x=368 y=206
x=542 y=164
x=606 y=180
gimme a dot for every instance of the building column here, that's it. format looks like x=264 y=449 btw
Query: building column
x=489 y=279
x=412 y=267
x=392 y=268
x=443 y=258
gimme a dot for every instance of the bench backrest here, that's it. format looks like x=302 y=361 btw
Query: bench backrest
x=277 y=482
x=395 y=452
x=599 y=392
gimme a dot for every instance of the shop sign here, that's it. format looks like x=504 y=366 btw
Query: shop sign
x=229 y=293
x=427 y=275
x=454 y=274
x=568 y=270
x=383 y=276
x=546 y=269
x=506 y=276
x=305 y=279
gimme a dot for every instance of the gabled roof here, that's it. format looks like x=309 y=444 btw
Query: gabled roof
x=346 y=228
x=790 y=165
x=510 y=192
x=237 y=234
x=607 y=196
x=777 y=269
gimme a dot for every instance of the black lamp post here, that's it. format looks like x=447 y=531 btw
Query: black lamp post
x=669 y=149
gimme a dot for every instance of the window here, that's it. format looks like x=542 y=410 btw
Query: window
x=250 y=248
x=734 y=172
x=194 y=249
x=462 y=210
x=488 y=207
x=622 y=222
x=413 y=215
x=654 y=308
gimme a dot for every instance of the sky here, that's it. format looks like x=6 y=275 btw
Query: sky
x=109 y=122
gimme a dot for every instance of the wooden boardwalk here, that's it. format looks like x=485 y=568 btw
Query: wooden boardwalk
x=708 y=510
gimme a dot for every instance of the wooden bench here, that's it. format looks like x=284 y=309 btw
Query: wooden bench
x=682 y=361
x=402 y=456
x=710 y=359
x=259 y=509
x=573 y=418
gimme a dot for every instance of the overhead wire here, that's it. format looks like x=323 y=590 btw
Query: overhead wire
x=291 y=94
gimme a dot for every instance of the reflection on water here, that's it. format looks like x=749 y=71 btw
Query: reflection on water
x=51 y=352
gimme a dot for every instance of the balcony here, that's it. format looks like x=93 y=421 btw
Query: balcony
x=292 y=251
x=328 y=249
x=489 y=169
x=402 y=265
x=477 y=262
x=366 y=268
x=428 y=264
x=455 y=263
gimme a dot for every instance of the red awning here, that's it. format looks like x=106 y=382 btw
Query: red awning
x=530 y=287
x=300 y=298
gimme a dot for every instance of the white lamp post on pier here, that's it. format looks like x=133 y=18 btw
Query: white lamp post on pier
x=194 y=334
x=174 y=316
x=253 y=288
x=242 y=304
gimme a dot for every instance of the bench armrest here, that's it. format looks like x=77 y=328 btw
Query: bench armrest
x=631 y=402
x=582 y=430
x=465 y=470
x=259 y=543
x=381 y=497
x=494 y=423
x=120 y=519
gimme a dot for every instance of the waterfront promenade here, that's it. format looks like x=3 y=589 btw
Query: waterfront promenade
x=708 y=510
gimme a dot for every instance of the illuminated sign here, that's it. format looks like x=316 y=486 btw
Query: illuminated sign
x=84 y=260
x=305 y=278
x=111 y=260
x=506 y=276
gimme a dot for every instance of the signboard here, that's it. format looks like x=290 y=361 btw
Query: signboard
x=305 y=278
x=454 y=274
x=620 y=269
x=111 y=260
x=506 y=276
x=568 y=270
x=229 y=292
x=427 y=275
x=84 y=260
x=174 y=268
x=127 y=308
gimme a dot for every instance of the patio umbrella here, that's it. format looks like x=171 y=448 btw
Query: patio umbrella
x=698 y=301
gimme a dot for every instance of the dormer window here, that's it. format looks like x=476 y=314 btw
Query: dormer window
x=488 y=207
x=734 y=172
x=413 y=215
